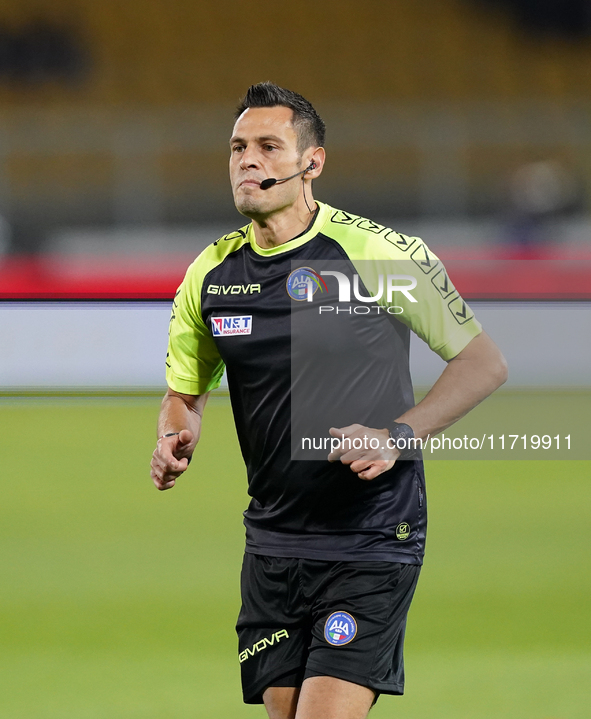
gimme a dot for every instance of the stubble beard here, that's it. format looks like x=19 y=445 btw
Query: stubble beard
x=258 y=208
x=248 y=206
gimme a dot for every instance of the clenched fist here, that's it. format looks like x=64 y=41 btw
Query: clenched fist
x=171 y=458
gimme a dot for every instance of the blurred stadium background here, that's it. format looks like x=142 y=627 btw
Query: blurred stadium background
x=466 y=122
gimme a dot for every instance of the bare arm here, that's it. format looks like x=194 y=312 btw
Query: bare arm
x=475 y=373
x=180 y=417
x=468 y=378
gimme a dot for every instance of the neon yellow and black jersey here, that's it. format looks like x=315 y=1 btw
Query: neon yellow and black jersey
x=321 y=322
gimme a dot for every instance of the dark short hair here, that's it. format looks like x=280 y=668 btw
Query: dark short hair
x=307 y=123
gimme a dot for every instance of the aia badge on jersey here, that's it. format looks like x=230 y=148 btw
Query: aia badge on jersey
x=303 y=283
x=228 y=326
x=340 y=628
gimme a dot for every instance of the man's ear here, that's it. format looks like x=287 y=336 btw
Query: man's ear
x=315 y=163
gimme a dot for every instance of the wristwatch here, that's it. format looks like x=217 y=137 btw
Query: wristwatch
x=403 y=438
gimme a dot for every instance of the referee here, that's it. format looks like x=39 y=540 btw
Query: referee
x=309 y=309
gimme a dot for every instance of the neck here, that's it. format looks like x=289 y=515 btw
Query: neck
x=283 y=225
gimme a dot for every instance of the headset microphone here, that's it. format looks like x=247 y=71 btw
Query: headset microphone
x=270 y=181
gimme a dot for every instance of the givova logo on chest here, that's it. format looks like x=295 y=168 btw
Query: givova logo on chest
x=233 y=289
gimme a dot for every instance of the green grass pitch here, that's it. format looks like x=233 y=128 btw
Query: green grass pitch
x=119 y=601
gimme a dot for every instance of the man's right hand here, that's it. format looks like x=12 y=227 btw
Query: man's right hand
x=171 y=458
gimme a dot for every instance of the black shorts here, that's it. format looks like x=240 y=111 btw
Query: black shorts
x=304 y=617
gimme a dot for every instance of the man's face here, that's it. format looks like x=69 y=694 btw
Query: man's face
x=264 y=144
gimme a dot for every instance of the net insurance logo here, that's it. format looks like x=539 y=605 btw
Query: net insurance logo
x=229 y=326
x=340 y=628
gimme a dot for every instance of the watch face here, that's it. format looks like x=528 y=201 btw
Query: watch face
x=401 y=430
x=403 y=436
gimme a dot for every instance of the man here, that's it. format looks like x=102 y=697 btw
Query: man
x=333 y=548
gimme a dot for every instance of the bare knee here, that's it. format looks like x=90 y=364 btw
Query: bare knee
x=332 y=698
x=281 y=702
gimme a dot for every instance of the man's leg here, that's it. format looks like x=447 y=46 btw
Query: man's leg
x=281 y=702
x=319 y=698
x=273 y=632
x=332 y=698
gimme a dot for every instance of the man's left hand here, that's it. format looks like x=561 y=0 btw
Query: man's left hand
x=364 y=449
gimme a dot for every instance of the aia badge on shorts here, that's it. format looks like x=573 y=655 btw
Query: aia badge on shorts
x=340 y=628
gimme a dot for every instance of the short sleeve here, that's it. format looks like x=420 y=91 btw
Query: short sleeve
x=419 y=292
x=193 y=363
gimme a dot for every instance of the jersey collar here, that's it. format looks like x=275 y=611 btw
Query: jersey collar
x=316 y=227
